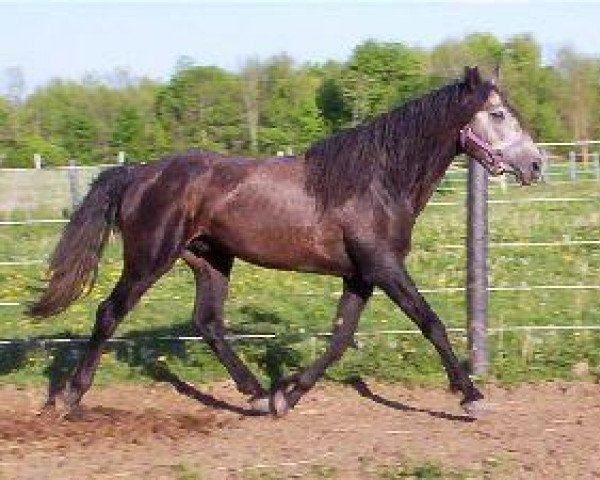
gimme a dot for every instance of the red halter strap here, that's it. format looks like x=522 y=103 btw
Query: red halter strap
x=492 y=158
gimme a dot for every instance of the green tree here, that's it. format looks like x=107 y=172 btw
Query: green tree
x=128 y=133
x=251 y=78
x=532 y=87
x=447 y=60
x=333 y=106
x=200 y=107
x=290 y=119
x=20 y=154
x=278 y=105
x=78 y=135
x=4 y=119
x=579 y=93
x=381 y=75
x=49 y=111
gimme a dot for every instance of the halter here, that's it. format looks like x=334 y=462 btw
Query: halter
x=493 y=157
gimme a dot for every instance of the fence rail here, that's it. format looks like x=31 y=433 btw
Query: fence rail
x=35 y=221
x=522 y=201
x=62 y=187
x=583 y=199
x=44 y=342
x=556 y=244
x=69 y=182
x=432 y=291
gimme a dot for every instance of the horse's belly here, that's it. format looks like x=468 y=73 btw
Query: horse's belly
x=269 y=220
x=304 y=249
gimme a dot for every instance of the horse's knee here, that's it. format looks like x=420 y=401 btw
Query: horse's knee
x=211 y=331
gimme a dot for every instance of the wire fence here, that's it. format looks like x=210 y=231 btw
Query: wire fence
x=582 y=199
x=58 y=189
x=26 y=192
x=556 y=244
x=336 y=294
x=47 y=341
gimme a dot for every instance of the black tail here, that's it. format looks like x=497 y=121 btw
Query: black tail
x=74 y=263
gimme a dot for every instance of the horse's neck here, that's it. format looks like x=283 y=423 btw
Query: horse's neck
x=422 y=188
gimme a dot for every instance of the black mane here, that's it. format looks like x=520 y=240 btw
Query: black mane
x=399 y=148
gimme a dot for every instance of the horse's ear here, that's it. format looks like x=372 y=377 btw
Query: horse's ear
x=472 y=78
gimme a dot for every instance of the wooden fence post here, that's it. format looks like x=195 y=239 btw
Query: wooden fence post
x=545 y=166
x=73 y=176
x=477 y=267
x=573 y=165
x=596 y=160
x=37 y=161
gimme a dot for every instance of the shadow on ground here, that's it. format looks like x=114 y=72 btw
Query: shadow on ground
x=365 y=391
x=143 y=351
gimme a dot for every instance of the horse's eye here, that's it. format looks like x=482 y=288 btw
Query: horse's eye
x=498 y=114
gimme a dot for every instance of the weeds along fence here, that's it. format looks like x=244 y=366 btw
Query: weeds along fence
x=43 y=198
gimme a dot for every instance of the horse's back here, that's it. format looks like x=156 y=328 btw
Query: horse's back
x=258 y=210
x=262 y=213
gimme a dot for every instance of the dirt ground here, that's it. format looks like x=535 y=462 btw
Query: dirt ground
x=549 y=431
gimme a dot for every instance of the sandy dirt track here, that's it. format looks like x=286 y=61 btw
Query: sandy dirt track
x=549 y=431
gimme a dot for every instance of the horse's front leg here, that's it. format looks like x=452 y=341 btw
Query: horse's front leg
x=392 y=277
x=289 y=391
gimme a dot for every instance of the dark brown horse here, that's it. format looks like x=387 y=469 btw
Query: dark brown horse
x=347 y=208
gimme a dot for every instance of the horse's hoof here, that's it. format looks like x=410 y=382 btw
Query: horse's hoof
x=70 y=396
x=280 y=404
x=477 y=408
x=261 y=404
x=454 y=389
x=275 y=404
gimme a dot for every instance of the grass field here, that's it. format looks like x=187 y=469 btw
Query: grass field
x=295 y=306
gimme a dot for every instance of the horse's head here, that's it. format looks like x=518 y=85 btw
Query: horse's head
x=494 y=136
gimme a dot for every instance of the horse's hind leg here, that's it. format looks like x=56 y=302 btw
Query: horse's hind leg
x=135 y=280
x=110 y=312
x=354 y=298
x=212 y=280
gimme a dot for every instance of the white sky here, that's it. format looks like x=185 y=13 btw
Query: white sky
x=52 y=39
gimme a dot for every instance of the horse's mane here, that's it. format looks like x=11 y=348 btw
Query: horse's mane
x=396 y=148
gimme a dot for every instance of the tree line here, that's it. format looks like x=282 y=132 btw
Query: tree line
x=277 y=105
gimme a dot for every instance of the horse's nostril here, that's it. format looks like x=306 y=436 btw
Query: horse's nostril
x=535 y=166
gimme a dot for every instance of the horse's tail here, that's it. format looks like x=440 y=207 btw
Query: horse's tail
x=74 y=263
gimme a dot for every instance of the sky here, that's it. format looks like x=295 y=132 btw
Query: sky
x=67 y=39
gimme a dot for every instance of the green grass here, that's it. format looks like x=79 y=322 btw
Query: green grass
x=324 y=472
x=295 y=306
x=410 y=470
x=490 y=468
x=186 y=472
x=424 y=471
